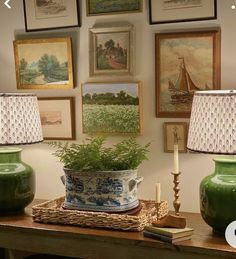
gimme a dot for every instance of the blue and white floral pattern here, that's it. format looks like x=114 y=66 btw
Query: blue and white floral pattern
x=101 y=191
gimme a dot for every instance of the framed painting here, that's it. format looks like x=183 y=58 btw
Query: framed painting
x=57 y=117
x=172 y=128
x=171 y=11
x=185 y=62
x=43 y=63
x=54 y=14
x=101 y=7
x=112 y=108
x=111 y=50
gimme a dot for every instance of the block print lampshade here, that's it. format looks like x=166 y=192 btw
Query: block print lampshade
x=213 y=130
x=213 y=122
x=19 y=119
x=19 y=124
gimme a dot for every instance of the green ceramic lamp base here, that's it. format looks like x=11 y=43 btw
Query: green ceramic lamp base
x=218 y=195
x=17 y=183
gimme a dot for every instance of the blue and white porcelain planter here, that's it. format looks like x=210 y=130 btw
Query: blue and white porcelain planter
x=108 y=191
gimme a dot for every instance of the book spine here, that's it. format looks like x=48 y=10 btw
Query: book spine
x=157 y=236
x=159 y=232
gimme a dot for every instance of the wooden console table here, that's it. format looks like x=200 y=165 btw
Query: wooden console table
x=21 y=233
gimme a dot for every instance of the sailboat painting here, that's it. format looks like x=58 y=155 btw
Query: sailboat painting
x=185 y=63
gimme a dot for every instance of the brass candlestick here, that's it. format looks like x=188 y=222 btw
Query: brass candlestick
x=158 y=205
x=176 y=202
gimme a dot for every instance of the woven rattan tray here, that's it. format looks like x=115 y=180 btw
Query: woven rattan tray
x=52 y=212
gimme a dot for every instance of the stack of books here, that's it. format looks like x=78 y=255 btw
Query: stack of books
x=170 y=235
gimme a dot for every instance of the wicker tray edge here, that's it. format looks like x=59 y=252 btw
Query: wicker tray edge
x=51 y=212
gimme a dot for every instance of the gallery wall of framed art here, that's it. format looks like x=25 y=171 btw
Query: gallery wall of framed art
x=93 y=63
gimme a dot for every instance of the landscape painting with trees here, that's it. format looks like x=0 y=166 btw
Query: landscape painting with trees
x=43 y=63
x=98 y=7
x=111 y=50
x=112 y=108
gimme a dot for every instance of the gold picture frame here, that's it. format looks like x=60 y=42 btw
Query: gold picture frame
x=111 y=49
x=57 y=117
x=181 y=128
x=44 y=63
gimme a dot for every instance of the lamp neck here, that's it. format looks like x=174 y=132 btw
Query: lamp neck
x=225 y=165
x=10 y=155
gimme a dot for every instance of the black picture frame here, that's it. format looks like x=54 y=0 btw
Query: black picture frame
x=198 y=12
x=70 y=19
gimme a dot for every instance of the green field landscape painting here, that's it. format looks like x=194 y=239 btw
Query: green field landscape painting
x=111 y=108
x=111 y=6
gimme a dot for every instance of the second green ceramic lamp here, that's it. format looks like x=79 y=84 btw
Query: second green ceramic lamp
x=212 y=130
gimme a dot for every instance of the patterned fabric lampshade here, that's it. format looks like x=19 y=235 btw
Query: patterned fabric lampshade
x=19 y=124
x=213 y=122
x=213 y=130
x=19 y=119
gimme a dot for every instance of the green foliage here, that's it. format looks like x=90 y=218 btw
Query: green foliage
x=28 y=76
x=23 y=64
x=102 y=62
x=111 y=118
x=47 y=64
x=121 y=98
x=59 y=74
x=98 y=6
x=93 y=156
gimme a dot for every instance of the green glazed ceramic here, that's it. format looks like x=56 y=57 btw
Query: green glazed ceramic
x=218 y=195
x=17 y=182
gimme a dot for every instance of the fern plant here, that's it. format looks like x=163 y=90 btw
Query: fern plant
x=93 y=156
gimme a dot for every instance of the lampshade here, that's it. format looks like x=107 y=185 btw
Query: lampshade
x=213 y=122
x=19 y=124
x=213 y=130
x=19 y=119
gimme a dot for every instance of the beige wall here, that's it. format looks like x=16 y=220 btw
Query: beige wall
x=193 y=166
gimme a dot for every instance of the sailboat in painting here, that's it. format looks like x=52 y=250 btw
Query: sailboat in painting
x=183 y=89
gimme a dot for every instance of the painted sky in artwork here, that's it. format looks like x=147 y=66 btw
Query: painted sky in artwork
x=32 y=52
x=198 y=56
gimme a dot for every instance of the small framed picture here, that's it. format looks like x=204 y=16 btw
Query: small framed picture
x=43 y=63
x=112 y=108
x=111 y=50
x=51 y=14
x=181 y=130
x=172 y=11
x=57 y=117
x=185 y=62
x=101 y=7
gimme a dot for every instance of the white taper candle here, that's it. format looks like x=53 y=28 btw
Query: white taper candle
x=158 y=192
x=176 y=158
